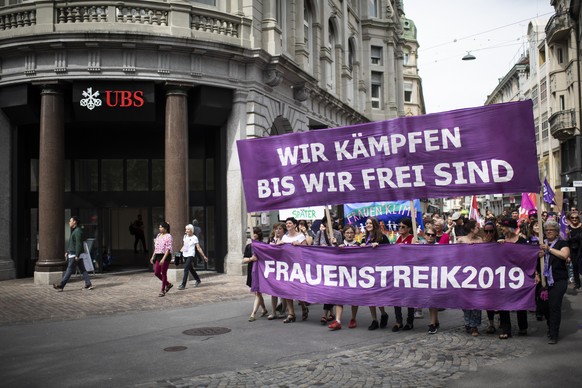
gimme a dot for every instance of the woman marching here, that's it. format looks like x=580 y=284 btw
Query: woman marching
x=250 y=258
x=373 y=238
x=293 y=237
x=188 y=250
x=405 y=236
x=490 y=236
x=162 y=256
x=555 y=252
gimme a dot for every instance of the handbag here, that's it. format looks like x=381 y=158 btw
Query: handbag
x=178 y=259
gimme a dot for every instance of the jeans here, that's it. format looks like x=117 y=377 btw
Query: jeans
x=161 y=271
x=71 y=267
x=553 y=309
x=472 y=317
x=189 y=268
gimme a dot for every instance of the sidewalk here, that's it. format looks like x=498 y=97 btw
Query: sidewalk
x=24 y=302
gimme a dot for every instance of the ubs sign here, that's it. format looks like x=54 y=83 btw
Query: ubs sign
x=99 y=101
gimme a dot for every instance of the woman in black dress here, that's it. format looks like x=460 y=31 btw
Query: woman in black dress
x=250 y=258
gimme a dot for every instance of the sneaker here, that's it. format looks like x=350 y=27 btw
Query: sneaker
x=373 y=326
x=552 y=340
x=408 y=326
x=89 y=287
x=432 y=329
x=383 y=321
x=181 y=287
x=57 y=287
x=335 y=325
x=418 y=313
x=352 y=324
x=197 y=284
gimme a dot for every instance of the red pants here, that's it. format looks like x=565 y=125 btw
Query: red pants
x=161 y=272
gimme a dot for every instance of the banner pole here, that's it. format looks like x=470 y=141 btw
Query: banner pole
x=329 y=222
x=541 y=236
x=413 y=216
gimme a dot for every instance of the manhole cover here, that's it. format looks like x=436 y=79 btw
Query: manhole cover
x=206 y=331
x=175 y=349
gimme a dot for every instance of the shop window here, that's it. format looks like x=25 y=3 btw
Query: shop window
x=158 y=166
x=137 y=175
x=196 y=174
x=86 y=175
x=112 y=175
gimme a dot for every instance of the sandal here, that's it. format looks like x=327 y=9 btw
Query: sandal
x=331 y=318
x=397 y=327
x=290 y=318
x=323 y=320
x=271 y=317
x=304 y=313
x=162 y=294
x=252 y=318
x=264 y=313
x=490 y=330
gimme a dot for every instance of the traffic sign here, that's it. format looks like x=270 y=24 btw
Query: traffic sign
x=577 y=183
x=567 y=189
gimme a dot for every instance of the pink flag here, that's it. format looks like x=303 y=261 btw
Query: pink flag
x=474 y=212
x=528 y=201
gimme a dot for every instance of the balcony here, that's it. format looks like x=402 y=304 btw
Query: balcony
x=563 y=125
x=558 y=28
x=158 y=17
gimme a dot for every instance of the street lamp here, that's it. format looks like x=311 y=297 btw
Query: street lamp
x=469 y=57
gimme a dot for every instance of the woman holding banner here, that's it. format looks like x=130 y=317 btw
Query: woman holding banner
x=472 y=317
x=373 y=238
x=249 y=257
x=556 y=252
x=430 y=235
x=490 y=236
x=509 y=228
x=276 y=235
x=405 y=236
x=349 y=241
x=293 y=237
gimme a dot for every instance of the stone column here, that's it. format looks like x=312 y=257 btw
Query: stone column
x=391 y=81
x=51 y=210
x=236 y=129
x=176 y=161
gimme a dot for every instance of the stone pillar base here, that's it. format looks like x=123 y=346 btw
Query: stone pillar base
x=232 y=265
x=47 y=278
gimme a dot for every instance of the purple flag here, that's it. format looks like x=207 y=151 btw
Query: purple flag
x=548 y=192
x=430 y=156
x=473 y=276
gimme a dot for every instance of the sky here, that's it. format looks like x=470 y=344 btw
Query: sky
x=494 y=31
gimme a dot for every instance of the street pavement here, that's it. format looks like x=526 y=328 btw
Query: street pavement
x=121 y=334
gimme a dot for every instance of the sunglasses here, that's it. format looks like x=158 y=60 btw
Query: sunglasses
x=488 y=230
x=430 y=234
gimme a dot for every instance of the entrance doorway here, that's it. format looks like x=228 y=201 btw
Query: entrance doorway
x=122 y=248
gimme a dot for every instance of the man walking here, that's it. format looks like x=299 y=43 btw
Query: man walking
x=74 y=250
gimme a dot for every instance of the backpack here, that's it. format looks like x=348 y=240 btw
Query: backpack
x=131 y=229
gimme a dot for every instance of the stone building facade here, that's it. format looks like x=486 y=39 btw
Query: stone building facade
x=112 y=109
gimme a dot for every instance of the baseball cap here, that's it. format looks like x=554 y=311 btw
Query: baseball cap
x=456 y=216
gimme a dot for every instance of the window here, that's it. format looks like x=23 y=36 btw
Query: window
x=376 y=55
x=207 y=2
x=86 y=175
x=405 y=57
x=407 y=91
x=137 y=175
x=542 y=56
x=112 y=175
x=543 y=91
x=158 y=183
x=534 y=95
x=374 y=8
x=308 y=41
x=560 y=55
x=376 y=90
x=562 y=102
x=544 y=126
x=332 y=43
x=351 y=54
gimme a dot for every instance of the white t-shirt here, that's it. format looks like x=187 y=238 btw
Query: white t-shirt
x=190 y=245
x=299 y=237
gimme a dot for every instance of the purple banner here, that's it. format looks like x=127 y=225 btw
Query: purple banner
x=485 y=150
x=471 y=276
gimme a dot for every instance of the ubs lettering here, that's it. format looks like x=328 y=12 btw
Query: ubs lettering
x=124 y=98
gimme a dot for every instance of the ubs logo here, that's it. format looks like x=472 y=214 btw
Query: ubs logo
x=113 y=99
